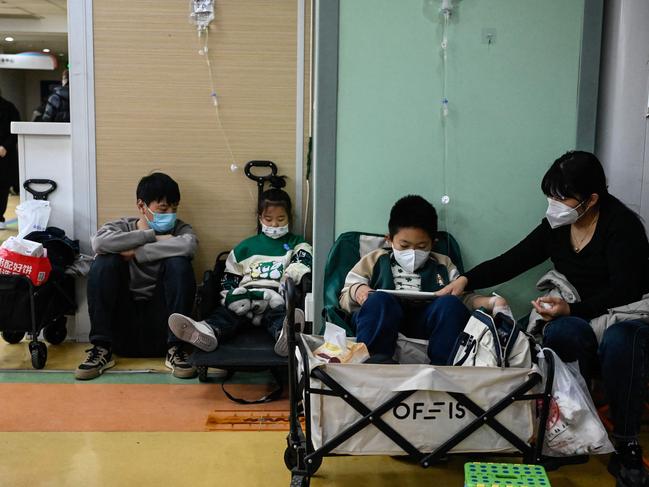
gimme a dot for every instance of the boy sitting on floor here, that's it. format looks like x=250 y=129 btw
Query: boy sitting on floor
x=378 y=317
x=142 y=273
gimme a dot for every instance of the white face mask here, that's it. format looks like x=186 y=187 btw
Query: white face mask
x=410 y=259
x=274 y=232
x=560 y=214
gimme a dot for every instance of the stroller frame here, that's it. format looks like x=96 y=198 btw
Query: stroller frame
x=303 y=460
x=52 y=324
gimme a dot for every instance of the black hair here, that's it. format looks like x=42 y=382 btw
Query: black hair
x=157 y=187
x=275 y=197
x=576 y=174
x=413 y=211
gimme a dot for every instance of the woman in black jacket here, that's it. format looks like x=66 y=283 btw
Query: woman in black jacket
x=601 y=247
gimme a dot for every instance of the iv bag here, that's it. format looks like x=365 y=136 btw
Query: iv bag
x=201 y=13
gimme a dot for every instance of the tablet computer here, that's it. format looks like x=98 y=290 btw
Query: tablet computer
x=410 y=294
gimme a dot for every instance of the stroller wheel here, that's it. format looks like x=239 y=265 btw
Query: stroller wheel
x=38 y=352
x=13 y=336
x=202 y=373
x=56 y=331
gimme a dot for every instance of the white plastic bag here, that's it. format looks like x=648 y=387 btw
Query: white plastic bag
x=573 y=426
x=33 y=216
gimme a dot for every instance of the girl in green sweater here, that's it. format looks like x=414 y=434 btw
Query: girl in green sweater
x=254 y=271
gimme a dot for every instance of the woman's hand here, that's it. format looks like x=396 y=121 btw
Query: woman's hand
x=550 y=307
x=362 y=293
x=456 y=288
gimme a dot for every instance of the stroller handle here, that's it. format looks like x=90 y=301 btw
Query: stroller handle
x=260 y=179
x=40 y=195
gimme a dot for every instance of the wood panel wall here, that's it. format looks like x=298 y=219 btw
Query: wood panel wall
x=153 y=108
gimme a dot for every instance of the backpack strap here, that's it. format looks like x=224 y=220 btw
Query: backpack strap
x=272 y=396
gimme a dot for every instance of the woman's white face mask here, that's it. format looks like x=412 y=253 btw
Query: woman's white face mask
x=559 y=214
x=411 y=259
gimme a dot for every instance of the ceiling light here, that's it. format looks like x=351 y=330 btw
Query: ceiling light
x=46 y=50
x=9 y=39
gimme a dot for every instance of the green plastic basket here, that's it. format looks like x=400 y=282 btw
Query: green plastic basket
x=504 y=475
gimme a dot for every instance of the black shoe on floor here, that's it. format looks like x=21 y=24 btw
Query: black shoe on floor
x=98 y=359
x=627 y=467
x=179 y=364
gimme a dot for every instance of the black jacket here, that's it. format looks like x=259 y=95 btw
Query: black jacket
x=58 y=105
x=8 y=113
x=611 y=270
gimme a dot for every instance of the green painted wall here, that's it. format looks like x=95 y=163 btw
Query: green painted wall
x=513 y=110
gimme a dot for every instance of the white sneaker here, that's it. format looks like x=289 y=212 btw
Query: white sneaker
x=198 y=333
x=281 y=346
x=3 y=225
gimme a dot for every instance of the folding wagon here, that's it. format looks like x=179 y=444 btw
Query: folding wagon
x=421 y=411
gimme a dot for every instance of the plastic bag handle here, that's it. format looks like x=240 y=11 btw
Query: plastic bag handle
x=40 y=195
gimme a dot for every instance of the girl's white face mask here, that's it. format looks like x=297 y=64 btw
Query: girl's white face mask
x=410 y=260
x=560 y=214
x=274 y=232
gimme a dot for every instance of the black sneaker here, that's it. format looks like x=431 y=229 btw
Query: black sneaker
x=98 y=359
x=178 y=363
x=627 y=467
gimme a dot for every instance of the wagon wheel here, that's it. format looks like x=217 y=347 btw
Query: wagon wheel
x=300 y=481
x=291 y=460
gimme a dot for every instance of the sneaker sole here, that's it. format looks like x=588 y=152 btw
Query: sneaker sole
x=181 y=373
x=81 y=374
x=281 y=346
x=184 y=330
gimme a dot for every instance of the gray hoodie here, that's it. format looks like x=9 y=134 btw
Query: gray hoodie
x=120 y=235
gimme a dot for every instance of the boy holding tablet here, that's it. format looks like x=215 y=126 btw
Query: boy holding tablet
x=410 y=265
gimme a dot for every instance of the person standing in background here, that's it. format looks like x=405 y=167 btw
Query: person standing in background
x=57 y=108
x=8 y=154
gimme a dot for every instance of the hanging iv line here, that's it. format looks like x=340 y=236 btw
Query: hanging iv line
x=445 y=12
x=441 y=11
x=201 y=14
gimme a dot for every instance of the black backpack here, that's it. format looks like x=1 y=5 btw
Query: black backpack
x=61 y=250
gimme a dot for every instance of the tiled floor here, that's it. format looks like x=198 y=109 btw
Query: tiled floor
x=137 y=425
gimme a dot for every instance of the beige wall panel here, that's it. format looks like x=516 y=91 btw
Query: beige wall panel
x=153 y=108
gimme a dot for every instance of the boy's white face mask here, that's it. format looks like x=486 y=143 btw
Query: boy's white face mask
x=410 y=259
x=274 y=232
x=560 y=214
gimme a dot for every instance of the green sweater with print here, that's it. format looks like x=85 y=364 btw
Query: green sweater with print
x=264 y=262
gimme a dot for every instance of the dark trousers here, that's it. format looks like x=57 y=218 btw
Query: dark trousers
x=383 y=316
x=115 y=316
x=226 y=324
x=621 y=357
x=8 y=178
x=4 y=198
